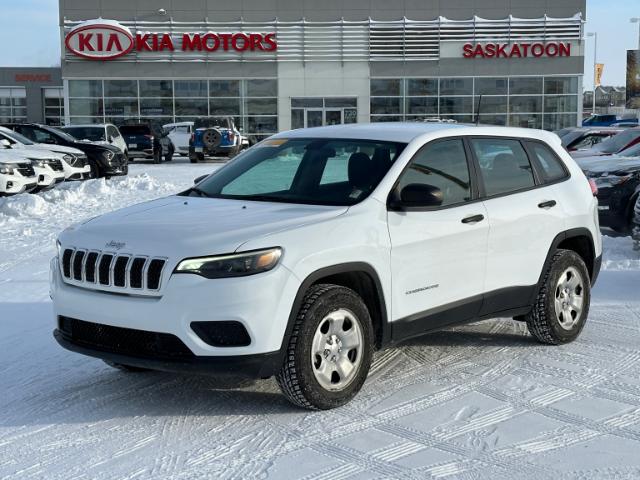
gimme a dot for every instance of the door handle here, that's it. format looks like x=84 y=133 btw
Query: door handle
x=473 y=219
x=547 y=204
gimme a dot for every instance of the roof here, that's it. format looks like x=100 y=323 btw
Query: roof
x=405 y=132
x=86 y=125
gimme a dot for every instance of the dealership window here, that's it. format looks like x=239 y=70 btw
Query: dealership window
x=13 y=104
x=252 y=103
x=53 y=104
x=319 y=111
x=534 y=102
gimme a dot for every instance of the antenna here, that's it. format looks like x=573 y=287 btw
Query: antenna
x=478 y=110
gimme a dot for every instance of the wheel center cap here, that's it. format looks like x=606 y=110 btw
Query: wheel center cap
x=334 y=345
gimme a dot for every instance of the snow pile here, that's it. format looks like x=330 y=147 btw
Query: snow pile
x=618 y=254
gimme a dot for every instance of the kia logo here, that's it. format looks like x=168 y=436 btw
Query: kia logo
x=99 y=41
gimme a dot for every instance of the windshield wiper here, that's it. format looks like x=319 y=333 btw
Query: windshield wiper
x=199 y=191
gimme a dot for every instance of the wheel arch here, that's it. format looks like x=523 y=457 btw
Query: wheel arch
x=578 y=240
x=358 y=276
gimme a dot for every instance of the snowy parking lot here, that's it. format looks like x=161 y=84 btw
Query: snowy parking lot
x=475 y=402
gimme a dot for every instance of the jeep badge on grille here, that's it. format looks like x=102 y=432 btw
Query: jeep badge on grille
x=115 y=245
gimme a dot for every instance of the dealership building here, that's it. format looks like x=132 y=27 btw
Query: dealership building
x=280 y=64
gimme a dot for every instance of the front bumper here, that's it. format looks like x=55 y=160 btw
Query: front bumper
x=251 y=366
x=14 y=184
x=210 y=152
x=261 y=303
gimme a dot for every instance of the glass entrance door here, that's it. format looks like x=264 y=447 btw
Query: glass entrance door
x=314 y=118
x=333 y=117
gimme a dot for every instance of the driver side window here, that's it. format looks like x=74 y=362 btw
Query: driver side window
x=442 y=164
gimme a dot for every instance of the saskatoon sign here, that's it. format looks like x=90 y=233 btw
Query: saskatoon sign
x=516 y=50
x=107 y=39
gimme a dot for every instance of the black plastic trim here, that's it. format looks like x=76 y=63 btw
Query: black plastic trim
x=351 y=267
x=261 y=365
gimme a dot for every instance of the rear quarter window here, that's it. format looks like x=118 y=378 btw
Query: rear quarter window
x=552 y=167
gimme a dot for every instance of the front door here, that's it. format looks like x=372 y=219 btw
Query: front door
x=438 y=254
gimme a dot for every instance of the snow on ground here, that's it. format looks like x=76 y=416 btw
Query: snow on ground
x=475 y=402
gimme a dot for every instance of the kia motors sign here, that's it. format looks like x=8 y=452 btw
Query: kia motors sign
x=516 y=50
x=107 y=39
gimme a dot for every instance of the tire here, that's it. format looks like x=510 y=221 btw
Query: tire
x=233 y=152
x=169 y=156
x=95 y=171
x=193 y=159
x=157 y=156
x=327 y=309
x=565 y=282
x=126 y=368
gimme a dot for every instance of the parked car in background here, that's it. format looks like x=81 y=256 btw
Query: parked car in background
x=104 y=160
x=618 y=180
x=635 y=233
x=98 y=133
x=74 y=162
x=564 y=131
x=148 y=142
x=180 y=134
x=16 y=173
x=584 y=138
x=214 y=137
x=612 y=145
x=47 y=165
x=605 y=120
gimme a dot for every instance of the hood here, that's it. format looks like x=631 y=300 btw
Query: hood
x=94 y=147
x=12 y=156
x=600 y=165
x=181 y=227
x=27 y=151
x=56 y=148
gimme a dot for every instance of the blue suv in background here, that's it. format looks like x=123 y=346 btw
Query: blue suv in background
x=214 y=137
x=607 y=120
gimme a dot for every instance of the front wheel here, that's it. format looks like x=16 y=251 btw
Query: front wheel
x=157 y=156
x=562 y=305
x=330 y=349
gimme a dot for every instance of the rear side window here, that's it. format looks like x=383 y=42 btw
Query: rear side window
x=442 y=164
x=504 y=165
x=552 y=168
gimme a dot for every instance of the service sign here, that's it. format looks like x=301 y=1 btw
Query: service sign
x=107 y=39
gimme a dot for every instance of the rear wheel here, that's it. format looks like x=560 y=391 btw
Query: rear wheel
x=562 y=305
x=169 y=156
x=330 y=349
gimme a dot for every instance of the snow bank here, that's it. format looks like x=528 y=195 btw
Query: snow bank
x=618 y=254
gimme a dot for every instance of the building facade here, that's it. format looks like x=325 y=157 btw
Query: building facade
x=31 y=95
x=280 y=64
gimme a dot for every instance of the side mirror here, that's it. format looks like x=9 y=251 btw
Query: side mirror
x=199 y=179
x=418 y=195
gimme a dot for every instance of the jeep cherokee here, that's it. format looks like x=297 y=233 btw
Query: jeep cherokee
x=317 y=246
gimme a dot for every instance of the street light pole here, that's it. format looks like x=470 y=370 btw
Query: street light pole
x=595 y=68
x=637 y=20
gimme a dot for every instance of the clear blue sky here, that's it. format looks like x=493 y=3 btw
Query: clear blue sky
x=29 y=35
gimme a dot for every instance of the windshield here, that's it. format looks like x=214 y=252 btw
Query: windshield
x=59 y=133
x=93 y=134
x=319 y=171
x=17 y=137
x=618 y=142
x=631 y=151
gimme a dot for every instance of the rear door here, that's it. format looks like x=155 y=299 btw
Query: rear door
x=438 y=254
x=525 y=215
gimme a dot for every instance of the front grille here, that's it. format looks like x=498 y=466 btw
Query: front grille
x=104 y=269
x=26 y=169
x=56 y=165
x=79 y=161
x=124 y=341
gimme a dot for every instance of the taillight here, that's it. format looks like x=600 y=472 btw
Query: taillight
x=231 y=136
x=150 y=137
x=594 y=187
x=193 y=137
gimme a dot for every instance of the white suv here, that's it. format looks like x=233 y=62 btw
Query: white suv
x=317 y=246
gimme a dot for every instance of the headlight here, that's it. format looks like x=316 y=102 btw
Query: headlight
x=38 y=162
x=58 y=248
x=6 y=169
x=233 y=265
x=108 y=155
x=67 y=158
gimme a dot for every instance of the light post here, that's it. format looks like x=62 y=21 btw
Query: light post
x=595 y=68
x=637 y=20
